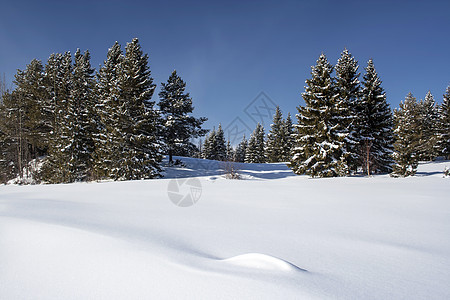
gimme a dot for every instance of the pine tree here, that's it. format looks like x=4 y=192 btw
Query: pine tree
x=275 y=138
x=405 y=147
x=230 y=152
x=255 y=152
x=241 y=150
x=319 y=143
x=444 y=126
x=58 y=78
x=208 y=146
x=109 y=139
x=219 y=146
x=348 y=90
x=141 y=155
x=428 y=120
x=374 y=125
x=287 y=138
x=178 y=126
x=81 y=112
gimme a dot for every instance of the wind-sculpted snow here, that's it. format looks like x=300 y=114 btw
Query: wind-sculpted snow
x=271 y=235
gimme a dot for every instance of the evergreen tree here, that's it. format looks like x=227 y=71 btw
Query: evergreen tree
x=275 y=138
x=444 y=126
x=405 y=147
x=348 y=90
x=141 y=155
x=219 y=146
x=178 y=126
x=320 y=142
x=241 y=150
x=110 y=111
x=287 y=138
x=81 y=113
x=58 y=78
x=374 y=125
x=255 y=152
x=208 y=146
x=428 y=120
x=230 y=152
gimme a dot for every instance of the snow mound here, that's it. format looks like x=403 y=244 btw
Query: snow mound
x=262 y=261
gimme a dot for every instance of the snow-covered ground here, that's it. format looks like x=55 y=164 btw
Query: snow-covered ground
x=272 y=235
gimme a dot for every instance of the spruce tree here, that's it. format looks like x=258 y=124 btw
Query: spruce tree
x=374 y=125
x=275 y=138
x=241 y=150
x=141 y=155
x=428 y=120
x=230 y=152
x=82 y=116
x=178 y=125
x=287 y=138
x=406 y=139
x=348 y=90
x=255 y=152
x=110 y=109
x=58 y=78
x=219 y=146
x=320 y=142
x=208 y=146
x=444 y=126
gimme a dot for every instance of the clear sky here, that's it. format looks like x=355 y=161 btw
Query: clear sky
x=229 y=52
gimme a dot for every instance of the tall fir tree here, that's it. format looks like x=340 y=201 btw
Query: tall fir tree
x=255 y=152
x=348 y=89
x=444 y=126
x=219 y=146
x=275 y=138
x=287 y=138
x=208 y=146
x=59 y=78
x=406 y=139
x=178 y=125
x=230 y=152
x=83 y=118
x=374 y=125
x=320 y=142
x=241 y=150
x=428 y=120
x=109 y=108
x=141 y=156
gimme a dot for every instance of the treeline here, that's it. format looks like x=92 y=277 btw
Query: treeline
x=276 y=146
x=82 y=125
x=346 y=127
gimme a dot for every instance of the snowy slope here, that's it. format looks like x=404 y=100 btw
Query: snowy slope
x=273 y=235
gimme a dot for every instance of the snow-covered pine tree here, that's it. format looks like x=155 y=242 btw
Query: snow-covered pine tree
x=374 y=125
x=178 y=125
x=58 y=78
x=219 y=148
x=319 y=142
x=83 y=117
x=444 y=126
x=241 y=150
x=406 y=139
x=32 y=93
x=428 y=120
x=208 y=146
x=12 y=140
x=109 y=139
x=255 y=152
x=287 y=138
x=275 y=142
x=348 y=90
x=230 y=152
x=141 y=154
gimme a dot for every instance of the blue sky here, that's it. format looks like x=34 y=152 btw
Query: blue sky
x=229 y=52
